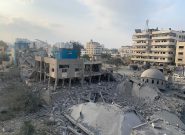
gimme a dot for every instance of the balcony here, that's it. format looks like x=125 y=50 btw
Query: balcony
x=162 y=55
x=139 y=39
x=162 y=49
x=139 y=49
x=152 y=60
x=140 y=44
x=163 y=43
x=164 y=37
x=142 y=33
x=139 y=54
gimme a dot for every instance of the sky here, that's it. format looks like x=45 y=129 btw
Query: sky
x=109 y=22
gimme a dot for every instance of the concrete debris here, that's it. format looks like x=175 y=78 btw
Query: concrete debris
x=104 y=119
x=105 y=107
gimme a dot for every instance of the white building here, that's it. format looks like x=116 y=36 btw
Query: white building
x=83 y=52
x=155 y=46
x=125 y=51
x=154 y=77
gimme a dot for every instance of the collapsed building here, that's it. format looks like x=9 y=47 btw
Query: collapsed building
x=103 y=119
x=67 y=69
x=100 y=108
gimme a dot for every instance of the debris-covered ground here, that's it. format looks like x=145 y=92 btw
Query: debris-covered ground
x=124 y=92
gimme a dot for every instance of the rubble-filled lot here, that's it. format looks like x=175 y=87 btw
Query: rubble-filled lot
x=51 y=118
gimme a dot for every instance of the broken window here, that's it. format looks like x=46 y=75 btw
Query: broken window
x=77 y=69
x=157 y=82
x=63 y=66
x=64 y=70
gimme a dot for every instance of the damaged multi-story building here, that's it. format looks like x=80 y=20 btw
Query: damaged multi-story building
x=155 y=46
x=67 y=66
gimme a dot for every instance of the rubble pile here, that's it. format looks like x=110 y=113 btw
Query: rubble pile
x=97 y=108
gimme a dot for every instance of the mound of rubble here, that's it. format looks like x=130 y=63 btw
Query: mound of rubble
x=104 y=119
x=144 y=91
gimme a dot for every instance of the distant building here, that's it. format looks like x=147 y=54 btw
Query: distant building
x=3 y=48
x=22 y=44
x=83 y=52
x=125 y=51
x=65 y=51
x=180 y=54
x=94 y=49
x=155 y=46
x=114 y=52
x=106 y=51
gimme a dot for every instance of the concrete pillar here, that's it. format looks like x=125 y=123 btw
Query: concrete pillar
x=90 y=73
x=99 y=78
x=82 y=81
x=40 y=70
x=63 y=81
x=49 y=82
x=69 y=83
x=56 y=83
x=108 y=77
x=90 y=79
x=44 y=72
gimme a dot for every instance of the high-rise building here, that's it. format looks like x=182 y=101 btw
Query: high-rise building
x=94 y=49
x=180 y=54
x=155 y=46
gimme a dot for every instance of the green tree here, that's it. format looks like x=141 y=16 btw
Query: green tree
x=86 y=57
x=105 y=56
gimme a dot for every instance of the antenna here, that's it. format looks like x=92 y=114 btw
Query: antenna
x=147 y=25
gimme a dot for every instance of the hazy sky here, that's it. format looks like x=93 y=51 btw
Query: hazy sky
x=110 y=22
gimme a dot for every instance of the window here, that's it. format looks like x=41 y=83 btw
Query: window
x=180 y=53
x=77 y=69
x=152 y=81
x=157 y=82
x=146 y=80
x=162 y=83
x=53 y=70
x=64 y=70
x=181 y=47
x=63 y=66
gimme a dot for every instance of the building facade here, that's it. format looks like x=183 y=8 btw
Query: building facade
x=155 y=46
x=63 y=69
x=83 y=52
x=125 y=51
x=94 y=49
x=180 y=54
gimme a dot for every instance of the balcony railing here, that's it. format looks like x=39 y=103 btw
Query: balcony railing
x=164 y=37
x=139 y=49
x=163 y=43
x=137 y=39
x=152 y=60
x=162 y=49
x=140 y=44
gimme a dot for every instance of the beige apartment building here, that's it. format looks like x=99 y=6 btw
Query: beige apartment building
x=155 y=46
x=94 y=49
x=180 y=54
x=125 y=51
